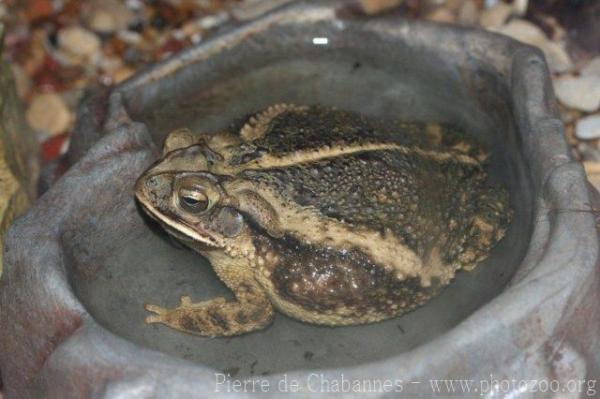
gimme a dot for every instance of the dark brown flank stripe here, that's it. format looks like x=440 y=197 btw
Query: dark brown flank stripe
x=322 y=279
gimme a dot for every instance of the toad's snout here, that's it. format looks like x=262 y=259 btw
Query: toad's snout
x=153 y=189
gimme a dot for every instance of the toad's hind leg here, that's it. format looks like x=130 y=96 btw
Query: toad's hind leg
x=218 y=317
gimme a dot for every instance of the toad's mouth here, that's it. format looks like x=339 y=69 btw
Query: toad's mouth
x=180 y=229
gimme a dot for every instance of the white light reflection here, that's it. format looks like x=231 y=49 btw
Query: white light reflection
x=320 y=41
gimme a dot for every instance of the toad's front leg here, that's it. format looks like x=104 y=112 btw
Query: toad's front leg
x=218 y=317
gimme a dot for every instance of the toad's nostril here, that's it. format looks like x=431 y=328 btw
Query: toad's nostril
x=153 y=182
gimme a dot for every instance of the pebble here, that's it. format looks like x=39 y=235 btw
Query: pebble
x=22 y=81
x=494 y=17
x=130 y=37
x=36 y=54
x=109 y=64
x=48 y=113
x=122 y=74
x=39 y=9
x=569 y=115
x=526 y=32
x=196 y=38
x=135 y=5
x=588 y=128
x=170 y=47
x=54 y=147
x=454 y=5
x=78 y=41
x=519 y=7
x=468 y=13
x=441 y=14
x=579 y=92
x=592 y=169
x=191 y=28
x=592 y=68
x=212 y=21
x=570 y=135
x=558 y=59
x=372 y=7
x=102 y=21
x=47 y=80
x=490 y=3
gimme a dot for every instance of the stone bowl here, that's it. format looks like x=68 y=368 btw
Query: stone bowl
x=82 y=263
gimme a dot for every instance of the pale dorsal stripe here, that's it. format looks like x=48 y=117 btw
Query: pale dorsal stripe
x=308 y=225
x=326 y=152
x=257 y=126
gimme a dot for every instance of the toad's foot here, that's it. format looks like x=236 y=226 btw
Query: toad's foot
x=214 y=318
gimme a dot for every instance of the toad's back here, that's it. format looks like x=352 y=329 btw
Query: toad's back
x=430 y=195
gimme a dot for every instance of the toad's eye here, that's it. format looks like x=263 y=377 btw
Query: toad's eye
x=193 y=201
